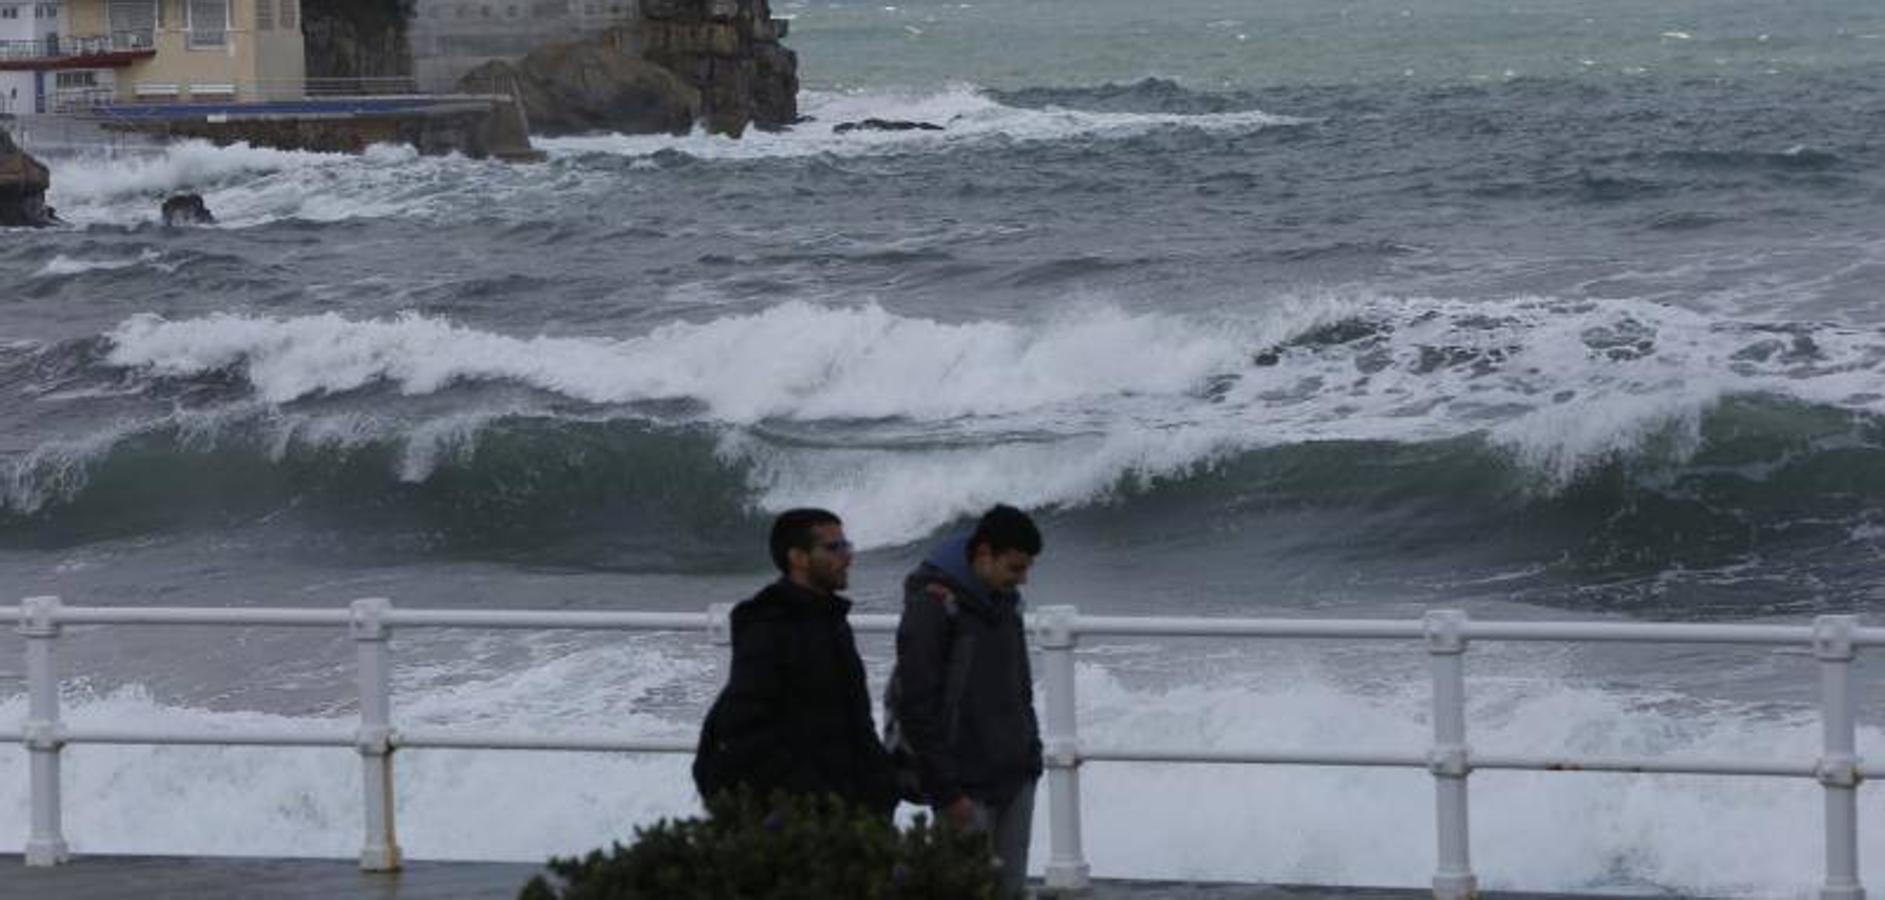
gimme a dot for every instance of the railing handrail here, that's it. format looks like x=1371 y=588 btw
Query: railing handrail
x=1447 y=635
x=1083 y=625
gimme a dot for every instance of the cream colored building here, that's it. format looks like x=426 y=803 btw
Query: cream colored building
x=201 y=50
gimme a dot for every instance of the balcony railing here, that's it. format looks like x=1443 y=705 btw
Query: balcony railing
x=54 y=47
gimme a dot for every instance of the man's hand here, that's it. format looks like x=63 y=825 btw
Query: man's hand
x=961 y=813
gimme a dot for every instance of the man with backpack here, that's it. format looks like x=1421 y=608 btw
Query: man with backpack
x=961 y=701
x=795 y=715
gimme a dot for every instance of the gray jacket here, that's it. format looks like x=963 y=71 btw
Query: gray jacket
x=961 y=701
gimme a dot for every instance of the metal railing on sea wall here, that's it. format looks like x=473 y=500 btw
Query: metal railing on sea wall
x=1445 y=635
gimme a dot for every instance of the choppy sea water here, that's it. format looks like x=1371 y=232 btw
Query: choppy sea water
x=1543 y=311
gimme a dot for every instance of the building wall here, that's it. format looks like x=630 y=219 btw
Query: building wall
x=16 y=88
x=85 y=17
x=25 y=20
x=16 y=93
x=280 y=53
x=264 y=63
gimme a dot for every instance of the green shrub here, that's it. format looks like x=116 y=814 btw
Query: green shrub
x=781 y=849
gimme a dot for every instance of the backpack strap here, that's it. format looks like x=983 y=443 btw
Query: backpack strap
x=960 y=653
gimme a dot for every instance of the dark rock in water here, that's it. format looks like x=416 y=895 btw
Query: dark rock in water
x=186 y=209
x=582 y=87
x=884 y=125
x=23 y=183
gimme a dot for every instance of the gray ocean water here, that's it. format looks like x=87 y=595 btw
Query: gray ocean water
x=1552 y=310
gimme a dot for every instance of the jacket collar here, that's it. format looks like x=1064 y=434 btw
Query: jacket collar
x=792 y=598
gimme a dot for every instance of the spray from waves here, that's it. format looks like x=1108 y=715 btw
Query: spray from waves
x=1550 y=831
x=452 y=805
x=968 y=116
x=246 y=186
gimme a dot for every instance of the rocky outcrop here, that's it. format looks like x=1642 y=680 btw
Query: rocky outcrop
x=23 y=183
x=582 y=87
x=728 y=50
x=357 y=38
x=186 y=209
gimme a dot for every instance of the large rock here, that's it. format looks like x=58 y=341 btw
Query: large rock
x=584 y=86
x=729 y=50
x=23 y=183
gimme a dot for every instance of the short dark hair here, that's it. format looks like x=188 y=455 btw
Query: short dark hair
x=793 y=530
x=1005 y=528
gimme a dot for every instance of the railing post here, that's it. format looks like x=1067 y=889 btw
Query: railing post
x=1838 y=768
x=1066 y=863
x=720 y=624
x=39 y=624
x=1448 y=761
x=380 y=853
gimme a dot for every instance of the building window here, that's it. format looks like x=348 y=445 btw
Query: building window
x=80 y=79
x=264 y=15
x=9 y=12
x=288 y=10
x=131 y=22
x=209 y=23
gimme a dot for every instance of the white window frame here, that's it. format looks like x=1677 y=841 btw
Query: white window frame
x=221 y=39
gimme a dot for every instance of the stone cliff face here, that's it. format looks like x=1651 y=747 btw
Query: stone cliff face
x=357 y=38
x=23 y=183
x=587 y=86
x=728 y=50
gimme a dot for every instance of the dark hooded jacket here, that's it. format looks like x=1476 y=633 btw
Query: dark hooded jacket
x=795 y=714
x=962 y=696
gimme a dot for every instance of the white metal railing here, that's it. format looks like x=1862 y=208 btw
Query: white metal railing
x=68 y=46
x=1446 y=635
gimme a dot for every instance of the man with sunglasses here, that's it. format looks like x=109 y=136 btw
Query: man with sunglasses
x=795 y=714
x=961 y=702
